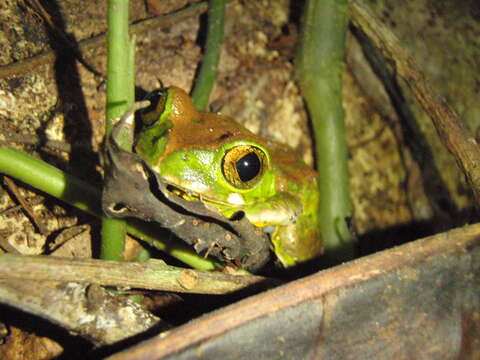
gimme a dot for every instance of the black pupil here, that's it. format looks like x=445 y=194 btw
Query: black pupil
x=248 y=167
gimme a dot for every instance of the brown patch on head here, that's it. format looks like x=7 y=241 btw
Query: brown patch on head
x=201 y=130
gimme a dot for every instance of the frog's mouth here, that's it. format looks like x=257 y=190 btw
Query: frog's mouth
x=224 y=211
x=190 y=195
x=184 y=194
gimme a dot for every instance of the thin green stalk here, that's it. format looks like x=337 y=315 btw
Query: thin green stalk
x=120 y=98
x=319 y=67
x=84 y=196
x=208 y=70
x=120 y=64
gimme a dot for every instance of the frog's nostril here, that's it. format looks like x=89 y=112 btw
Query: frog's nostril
x=225 y=136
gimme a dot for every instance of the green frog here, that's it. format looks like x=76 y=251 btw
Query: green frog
x=208 y=157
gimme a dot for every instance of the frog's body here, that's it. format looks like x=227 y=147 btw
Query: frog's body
x=211 y=158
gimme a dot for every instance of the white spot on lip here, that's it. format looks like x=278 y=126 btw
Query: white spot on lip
x=269 y=229
x=236 y=199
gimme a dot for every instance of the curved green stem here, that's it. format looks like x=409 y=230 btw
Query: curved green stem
x=319 y=66
x=51 y=180
x=208 y=70
x=84 y=196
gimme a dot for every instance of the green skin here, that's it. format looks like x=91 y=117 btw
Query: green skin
x=188 y=148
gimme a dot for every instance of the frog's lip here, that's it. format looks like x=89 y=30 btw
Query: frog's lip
x=190 y=195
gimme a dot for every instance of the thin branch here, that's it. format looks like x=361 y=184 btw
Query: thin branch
x=454 y=134
x=41 y=141
x=152 y=274
x=26 y=207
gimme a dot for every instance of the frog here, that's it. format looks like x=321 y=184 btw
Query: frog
x=209 y=157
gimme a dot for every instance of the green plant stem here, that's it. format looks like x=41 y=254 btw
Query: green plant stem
x=120 y=64
x=319 y=67
x=120 y=98
x=208 y=70
x=78 y=193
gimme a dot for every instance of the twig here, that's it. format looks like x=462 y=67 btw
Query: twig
x=31 y=214
x=84 y=46
x=65 y=236
x=40 y=141
x=449 y=126
x=152 y=274
x=10 y=210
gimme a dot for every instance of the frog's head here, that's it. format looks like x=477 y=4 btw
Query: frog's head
x=205 y=156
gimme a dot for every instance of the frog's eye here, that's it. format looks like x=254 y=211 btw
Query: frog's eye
x=244 y=165
x=151 y=113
